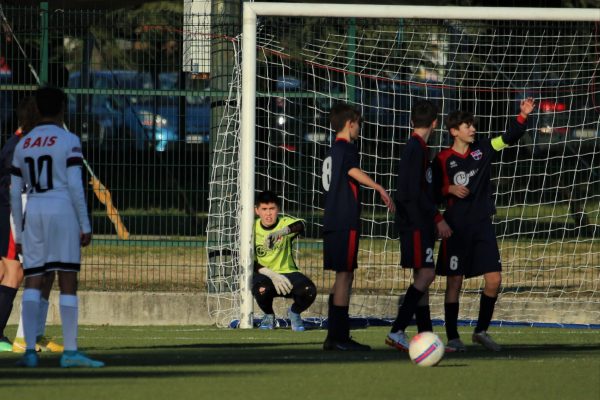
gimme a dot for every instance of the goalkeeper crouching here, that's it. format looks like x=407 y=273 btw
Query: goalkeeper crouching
x=275 y=271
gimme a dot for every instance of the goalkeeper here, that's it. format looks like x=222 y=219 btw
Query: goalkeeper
x=275 y=271
x=462 y=175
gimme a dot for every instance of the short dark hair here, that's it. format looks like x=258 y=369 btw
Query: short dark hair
x=27 y=114
x=267 y=197
x=457 y=118
x=423 y=113
x=50 y=101
x=341 y=113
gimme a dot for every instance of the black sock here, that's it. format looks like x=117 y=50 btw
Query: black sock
x=486 y=310
x=451 y=316
x=345 y=322
x=407 y=309
x=423 y=317
x=7 y=298
x=337 y=326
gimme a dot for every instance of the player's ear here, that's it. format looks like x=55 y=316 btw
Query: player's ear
x=434 y=124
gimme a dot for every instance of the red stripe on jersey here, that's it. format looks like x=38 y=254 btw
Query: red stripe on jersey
x=351 y=250
x=12 y=249
x=354 y=189
x=417 y=249
x=442 y=158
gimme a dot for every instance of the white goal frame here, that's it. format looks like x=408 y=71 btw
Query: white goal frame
x=248 y=98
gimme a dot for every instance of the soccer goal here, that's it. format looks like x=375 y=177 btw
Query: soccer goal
x=296 y=60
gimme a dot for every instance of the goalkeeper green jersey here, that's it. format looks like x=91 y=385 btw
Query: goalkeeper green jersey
x=280 y=258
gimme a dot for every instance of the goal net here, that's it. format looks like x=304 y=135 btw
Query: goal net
x=382 y=59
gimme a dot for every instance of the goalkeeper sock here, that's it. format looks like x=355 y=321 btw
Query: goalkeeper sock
x=407 y=309
x=423 y=317
x=7 y=298
x=451 y=316
x=486 y=310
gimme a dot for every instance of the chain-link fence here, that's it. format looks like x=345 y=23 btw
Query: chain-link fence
x=143 y=91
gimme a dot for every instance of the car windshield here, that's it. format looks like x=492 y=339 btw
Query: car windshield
x=125 y=80
x=169 y=81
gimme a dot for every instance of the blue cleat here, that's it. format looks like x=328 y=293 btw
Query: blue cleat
x=296 y=321
x=74 y=359
x=268 y=322
x=29 y=360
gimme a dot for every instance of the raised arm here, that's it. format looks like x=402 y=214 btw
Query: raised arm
x=517 y=126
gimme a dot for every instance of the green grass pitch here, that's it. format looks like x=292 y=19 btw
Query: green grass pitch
x=172 y=363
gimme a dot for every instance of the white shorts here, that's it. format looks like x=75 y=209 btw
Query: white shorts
x=51 y=236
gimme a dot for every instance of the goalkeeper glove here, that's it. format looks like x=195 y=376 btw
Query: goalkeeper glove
x=273 y=237
x=282 y=284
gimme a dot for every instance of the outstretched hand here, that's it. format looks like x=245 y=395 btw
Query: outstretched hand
x=527 y=106
x=273 y=237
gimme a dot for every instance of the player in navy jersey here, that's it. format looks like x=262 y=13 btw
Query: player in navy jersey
x=275 y=271
x=418 y=220
x=342 y=178
x=462 y=175
x=12 y=271
x=48 y=163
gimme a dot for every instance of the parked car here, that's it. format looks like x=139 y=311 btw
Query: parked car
x=139 y=120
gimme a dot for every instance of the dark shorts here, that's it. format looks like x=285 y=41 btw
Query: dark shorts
x=340 y=250
x=7 y=242
x=471 y=251
x=298 y=280
x=416 y=248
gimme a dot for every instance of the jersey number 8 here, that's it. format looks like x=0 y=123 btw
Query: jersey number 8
x=326 y=177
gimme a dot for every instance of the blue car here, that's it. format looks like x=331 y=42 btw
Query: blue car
x=142 y=121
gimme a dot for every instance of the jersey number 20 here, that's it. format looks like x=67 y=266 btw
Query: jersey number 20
x=43 y=166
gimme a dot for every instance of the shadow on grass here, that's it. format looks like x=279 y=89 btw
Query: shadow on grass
x=216 y=360
x=49 y=370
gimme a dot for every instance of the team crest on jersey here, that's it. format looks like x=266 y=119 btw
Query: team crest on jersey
x=428 y=175
x=463 y=178
x=477 y=154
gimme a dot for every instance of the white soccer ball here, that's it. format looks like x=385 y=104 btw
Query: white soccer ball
x=426 y=349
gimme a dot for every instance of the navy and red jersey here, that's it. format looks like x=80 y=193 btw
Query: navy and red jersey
x=415 y=205
x=6 y=156
x=473 y=170
x=342 y=200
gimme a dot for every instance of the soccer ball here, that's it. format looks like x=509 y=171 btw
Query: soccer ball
x=426 y=349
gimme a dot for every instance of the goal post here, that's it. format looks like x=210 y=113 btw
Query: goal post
x=454 y=63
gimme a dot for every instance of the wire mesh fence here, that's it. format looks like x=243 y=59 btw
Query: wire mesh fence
x=143 y=101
